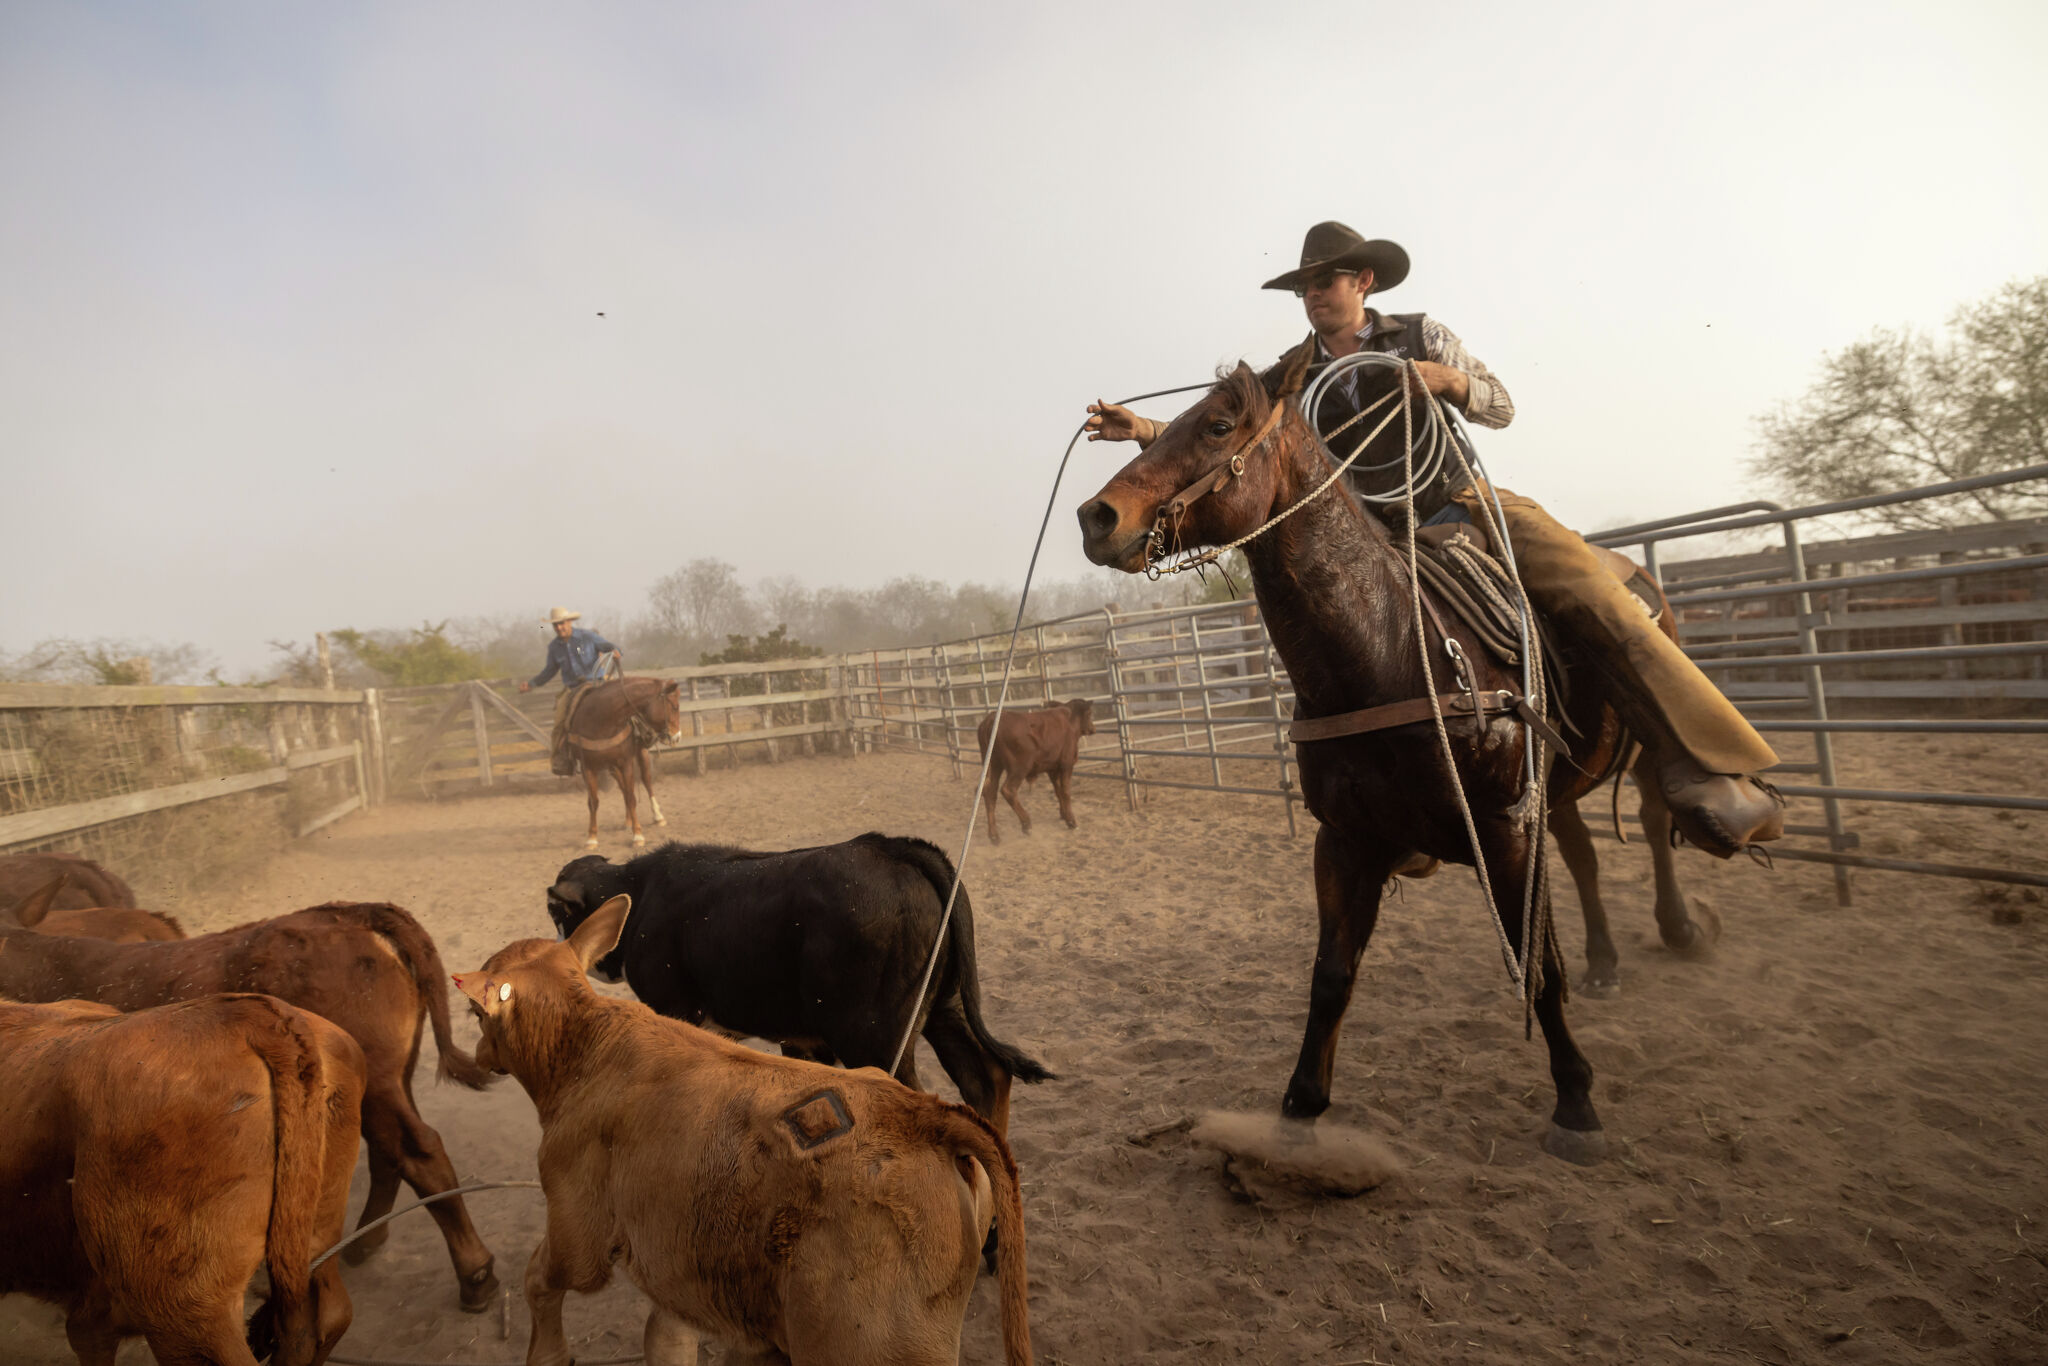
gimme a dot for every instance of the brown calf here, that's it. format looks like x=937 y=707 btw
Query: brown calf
x=1030 y=743
x=800 y=1213
x=87 y=884
x=153 y=1161
x=368 y=967
x=120 y=924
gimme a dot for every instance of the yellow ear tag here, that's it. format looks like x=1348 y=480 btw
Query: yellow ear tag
x=505 y=991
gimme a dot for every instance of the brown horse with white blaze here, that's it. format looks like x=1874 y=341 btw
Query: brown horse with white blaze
x=1333 y=585
x=615 y=725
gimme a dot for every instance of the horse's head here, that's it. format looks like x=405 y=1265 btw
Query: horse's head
x=664 y=709
x=1209 y=478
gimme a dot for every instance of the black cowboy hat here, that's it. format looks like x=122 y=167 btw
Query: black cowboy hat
x=1332 y=246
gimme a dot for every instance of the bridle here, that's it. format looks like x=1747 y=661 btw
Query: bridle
x=1218 y=478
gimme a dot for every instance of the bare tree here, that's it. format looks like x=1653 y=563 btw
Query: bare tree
x=1900 y=409
x=703 y=601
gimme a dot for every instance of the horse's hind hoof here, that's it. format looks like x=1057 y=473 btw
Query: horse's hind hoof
x=1599 y=988
x=480 y=1293
x=590 y=844
x=638 y=840
x=1580 y=1147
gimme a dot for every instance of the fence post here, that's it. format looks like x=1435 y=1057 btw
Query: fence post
x=942 y=680
x=483 y=734
x=696 y=732
x=1279 y=727
x=1816 y=692
x=373 y=727
x=362 y=778
x=1208 y=711
x=1116 y=702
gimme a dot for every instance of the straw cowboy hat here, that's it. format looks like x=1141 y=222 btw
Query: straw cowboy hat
x=1332 y=246
x=558 y=615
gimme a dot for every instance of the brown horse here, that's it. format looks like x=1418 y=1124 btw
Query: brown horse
x=1333 y=585
x=613 y=726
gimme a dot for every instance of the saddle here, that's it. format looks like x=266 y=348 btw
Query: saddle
x=1458 y=569
x=636 y=725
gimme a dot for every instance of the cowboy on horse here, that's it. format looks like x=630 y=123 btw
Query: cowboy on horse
x=1706 y=754
x=579 y=656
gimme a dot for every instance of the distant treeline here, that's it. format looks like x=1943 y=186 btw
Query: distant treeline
x=702 y=609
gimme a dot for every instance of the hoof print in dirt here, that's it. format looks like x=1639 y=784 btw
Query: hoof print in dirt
x=1583 y=1148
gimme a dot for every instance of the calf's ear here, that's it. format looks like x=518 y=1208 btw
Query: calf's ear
x=567 y=891
x=599 y=934
x=477 y=987
x=37 y=904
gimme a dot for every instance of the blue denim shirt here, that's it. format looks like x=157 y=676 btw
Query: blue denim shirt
x=577 y=658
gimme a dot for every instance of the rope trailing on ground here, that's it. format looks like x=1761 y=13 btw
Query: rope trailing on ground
x=1002 y=698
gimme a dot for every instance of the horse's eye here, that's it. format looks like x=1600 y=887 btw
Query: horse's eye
x=1220 y=427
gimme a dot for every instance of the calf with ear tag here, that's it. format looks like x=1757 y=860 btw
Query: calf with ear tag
x=480 y=987
x=600 y=933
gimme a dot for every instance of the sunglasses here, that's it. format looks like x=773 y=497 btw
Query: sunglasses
x=1322 y=279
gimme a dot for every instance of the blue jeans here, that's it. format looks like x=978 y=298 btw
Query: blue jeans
x=1452 y=514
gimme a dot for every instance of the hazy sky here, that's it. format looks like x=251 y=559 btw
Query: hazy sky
x=301 y=303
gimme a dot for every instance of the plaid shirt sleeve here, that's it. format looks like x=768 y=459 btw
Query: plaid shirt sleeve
x=1488 y=404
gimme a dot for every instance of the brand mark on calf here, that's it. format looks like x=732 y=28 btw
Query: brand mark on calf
x=818 y=1118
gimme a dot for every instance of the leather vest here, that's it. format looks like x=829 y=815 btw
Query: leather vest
x=1394 y=334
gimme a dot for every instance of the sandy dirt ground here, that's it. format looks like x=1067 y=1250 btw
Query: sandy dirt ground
x=1830 y=1141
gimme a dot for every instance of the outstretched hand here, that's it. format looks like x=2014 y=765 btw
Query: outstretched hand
x=1111 y=422
x=525 y=686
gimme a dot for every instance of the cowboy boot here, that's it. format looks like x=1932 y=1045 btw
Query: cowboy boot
x=1722 y=813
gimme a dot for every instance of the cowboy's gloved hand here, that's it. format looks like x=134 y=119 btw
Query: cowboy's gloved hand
x=1114 y=422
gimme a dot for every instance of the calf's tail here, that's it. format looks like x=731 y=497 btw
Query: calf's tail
x=397 y=924
x=938 y=870
x=1013 y=1060
x=287 y=1323
x=977 y=1138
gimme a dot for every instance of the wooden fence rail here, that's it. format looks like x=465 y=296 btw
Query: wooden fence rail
x=168 y=783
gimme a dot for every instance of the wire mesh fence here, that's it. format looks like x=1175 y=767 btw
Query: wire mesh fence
x=171 y=786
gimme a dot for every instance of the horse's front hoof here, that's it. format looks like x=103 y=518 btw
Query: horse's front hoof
x=638 y=839
x=480 y=1291
x=1600 y=986
x=590 y=843
x=1302 y=1102
x=1580 y=1147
